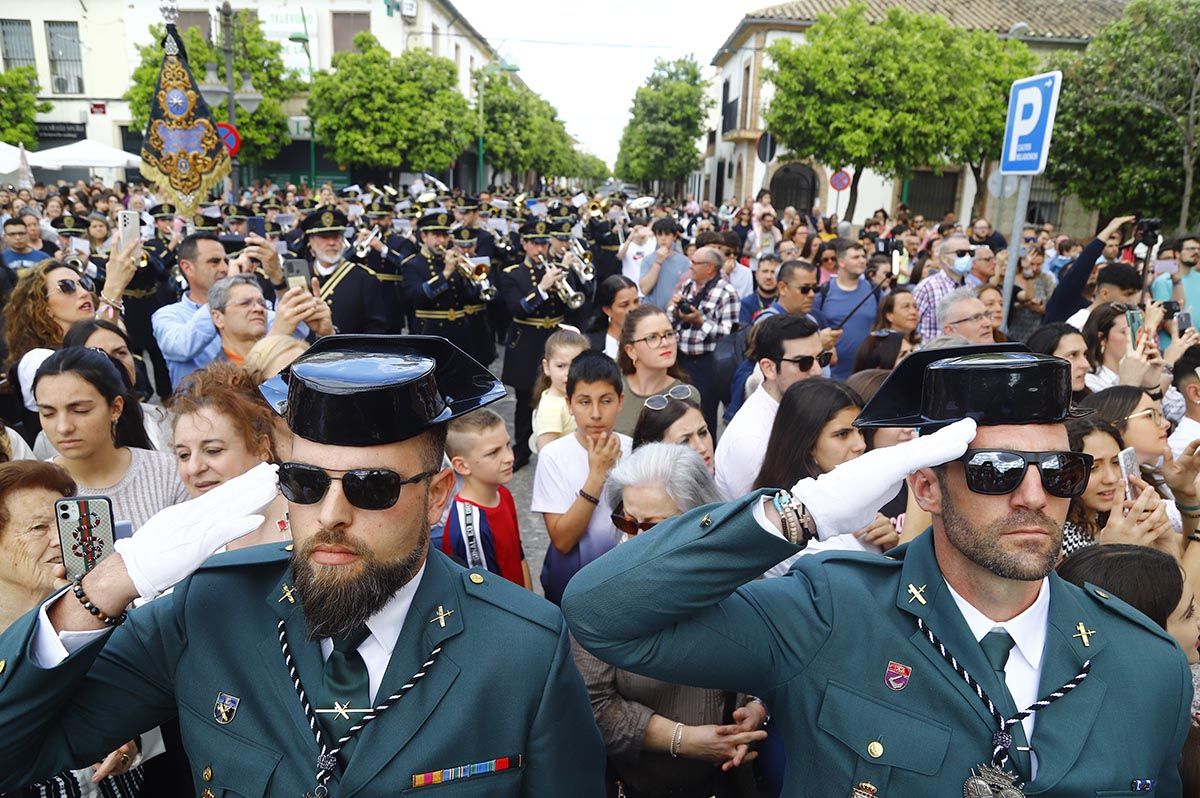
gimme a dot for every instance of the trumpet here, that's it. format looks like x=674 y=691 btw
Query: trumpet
x=596 y=208
x=362 y=248
x=584 y=266
x=76 y=262
x=570 y=297
x=475 y=272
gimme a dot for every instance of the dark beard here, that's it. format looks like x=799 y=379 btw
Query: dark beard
x=334 y=605
x=982 y=545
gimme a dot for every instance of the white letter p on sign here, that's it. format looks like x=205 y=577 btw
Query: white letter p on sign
x=1029 y=109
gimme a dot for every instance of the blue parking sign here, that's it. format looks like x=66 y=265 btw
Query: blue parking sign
x=1032 y=104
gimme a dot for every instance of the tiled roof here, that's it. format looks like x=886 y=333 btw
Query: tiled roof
x=1047 y=19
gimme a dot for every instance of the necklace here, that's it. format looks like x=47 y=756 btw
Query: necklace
x=991 y=780
x=327 y=759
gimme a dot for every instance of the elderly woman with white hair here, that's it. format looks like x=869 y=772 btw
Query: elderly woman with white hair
x=664 y=739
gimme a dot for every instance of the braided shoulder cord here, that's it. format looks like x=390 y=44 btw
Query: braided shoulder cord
x=327 y=759
x=1002 y=738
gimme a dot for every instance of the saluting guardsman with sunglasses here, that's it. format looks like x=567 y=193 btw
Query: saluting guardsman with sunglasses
x=354 y=660
x=956 y=664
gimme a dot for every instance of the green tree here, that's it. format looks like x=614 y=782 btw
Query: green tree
x=1127 y=133
x=19 y=106
x=521 y=130
x=373 y=110
x=263 y=132
x=589 y=168
x=911 y=90
x=665 y=121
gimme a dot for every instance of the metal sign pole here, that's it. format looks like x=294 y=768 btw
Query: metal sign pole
x=1015 y=244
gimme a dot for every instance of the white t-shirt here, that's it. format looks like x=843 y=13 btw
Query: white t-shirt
x=1079 y=318
x=611 y=346
x=744 y=443
x=1187 y=431
x=27 y=368
x=562 y=468
x=742 y=280
x=631 y=264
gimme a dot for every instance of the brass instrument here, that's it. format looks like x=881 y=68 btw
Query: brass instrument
x=596 y=208
x=583 y=267
x=641 y=203
x=362 y=248
x=474 y=272
x=569 y=296
x=75 y=261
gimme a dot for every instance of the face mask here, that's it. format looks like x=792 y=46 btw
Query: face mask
x=962 y=265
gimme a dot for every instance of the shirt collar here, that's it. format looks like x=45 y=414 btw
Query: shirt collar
x=386 y=624
x=1028 y=630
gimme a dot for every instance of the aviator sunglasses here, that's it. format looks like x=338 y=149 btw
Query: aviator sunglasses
x=70 y=285
x=995 y=472
x=659 y=401
x=365 y=488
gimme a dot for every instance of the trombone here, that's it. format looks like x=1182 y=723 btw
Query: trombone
x=583 y=266
x=474 y=272
x=570 y=297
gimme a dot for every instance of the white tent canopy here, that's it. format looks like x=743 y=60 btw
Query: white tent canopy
x=84 y=154
x=10 y=158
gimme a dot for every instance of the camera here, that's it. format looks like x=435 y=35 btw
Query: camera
x=1148 y=230
x=886 y=246
x=684 y=307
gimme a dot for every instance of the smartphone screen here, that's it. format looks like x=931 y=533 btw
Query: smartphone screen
x=85 y=532
x=1128 y=460
x=1184 y=320
x=1166 y=267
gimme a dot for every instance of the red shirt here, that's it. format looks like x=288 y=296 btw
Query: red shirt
x=497 y=532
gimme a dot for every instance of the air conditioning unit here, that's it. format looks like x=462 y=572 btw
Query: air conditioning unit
x=408 y=9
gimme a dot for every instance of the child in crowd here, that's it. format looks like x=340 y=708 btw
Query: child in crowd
x=482 y=529
x=568 y=487
x=551 y=418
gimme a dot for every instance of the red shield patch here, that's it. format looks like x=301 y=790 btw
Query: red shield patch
x=897 y=675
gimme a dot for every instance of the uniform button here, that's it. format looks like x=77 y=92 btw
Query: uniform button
x=477 y=578
x=1101 y=593
x=874 y=749
x=207 y=774
x=289 y=547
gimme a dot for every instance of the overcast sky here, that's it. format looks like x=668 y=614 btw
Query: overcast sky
x=588 y=58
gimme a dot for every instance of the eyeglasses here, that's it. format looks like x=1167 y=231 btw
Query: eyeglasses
x=962 y=253
x=659 y=401
x=70 y=286
x=975 y=318
x=245 y=303
x=365 y=488
x=805 y=362
x=829 y=259
x=656 y=339
x=995 y=472
x=1154 y=413
x=629 y=525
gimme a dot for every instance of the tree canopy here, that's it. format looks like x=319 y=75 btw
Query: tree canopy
x=263 y=132
x=373 y=110
x=19 y=106
x=1127 y=132
x=665 y=121
x=908 y=91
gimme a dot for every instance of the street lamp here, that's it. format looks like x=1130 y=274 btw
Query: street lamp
x=302 y=38
x=488 y=69
x=212 y=89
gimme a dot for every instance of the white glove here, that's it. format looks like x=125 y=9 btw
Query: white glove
x=847 y=498
x=178 y=539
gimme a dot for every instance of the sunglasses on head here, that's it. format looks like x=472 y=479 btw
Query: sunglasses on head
x=70 y=285
x=659 y=401
x=629 y=525
x=365 y=488
x=805 y=362
x=995 y=472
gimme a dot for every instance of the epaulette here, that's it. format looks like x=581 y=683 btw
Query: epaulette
x=265 y=554
x=1118 y=607
x=409 y=257
x=366 y=268
x=508 y=269
x=504 y=595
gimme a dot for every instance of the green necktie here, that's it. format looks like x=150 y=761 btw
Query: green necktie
x=996 y=646
x=344 y=684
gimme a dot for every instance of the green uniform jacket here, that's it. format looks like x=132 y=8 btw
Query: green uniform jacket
x=678 y=604
x=505 y=685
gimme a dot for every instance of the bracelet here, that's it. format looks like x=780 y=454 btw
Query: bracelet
x=759 y=701
x=797 y=523
x=1190 y=515
x=1191 y=508
x=588 y=497
x=77 y=589
x=1194 y=537
x=116 y=304
x=676 y=739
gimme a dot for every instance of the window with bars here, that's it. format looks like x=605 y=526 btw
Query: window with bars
x=345 y=27
x=66 y=57
x=1045 y=204
x=16 y=39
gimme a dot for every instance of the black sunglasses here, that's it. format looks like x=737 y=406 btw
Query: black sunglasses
x=628 y=525
x=805 y=289
x=962 y=253
x=805 y=362
x=995 y=472
x=69 y=285
x=659 y=401
x=365 y=488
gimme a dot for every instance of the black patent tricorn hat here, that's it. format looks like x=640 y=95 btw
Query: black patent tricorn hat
x=992 y=383
x=370 y=390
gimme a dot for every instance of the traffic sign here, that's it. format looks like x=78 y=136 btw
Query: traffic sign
x=229 y=137
x=840 y=180
x=1032 y=103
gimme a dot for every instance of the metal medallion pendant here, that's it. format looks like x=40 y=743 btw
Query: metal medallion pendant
x=987 y=781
